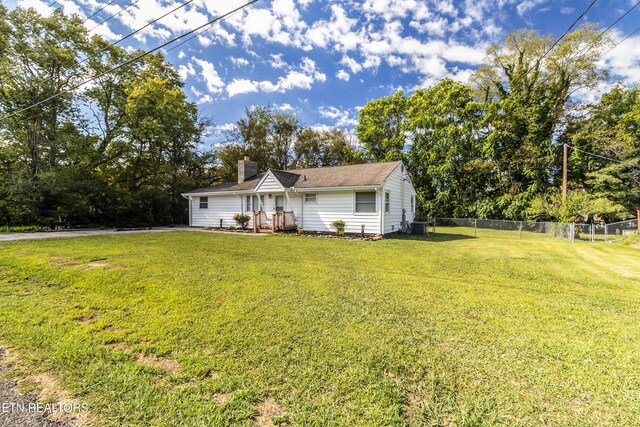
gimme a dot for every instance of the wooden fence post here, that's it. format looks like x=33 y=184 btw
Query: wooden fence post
x=255 y=222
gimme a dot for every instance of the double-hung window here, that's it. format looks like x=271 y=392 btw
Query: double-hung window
x=366 y=202
x=279 y=203
x=387 y=202
x=252 y=204
x=412 y=204
x=204 y=203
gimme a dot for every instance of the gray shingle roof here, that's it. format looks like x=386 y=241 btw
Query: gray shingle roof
x=367 y=174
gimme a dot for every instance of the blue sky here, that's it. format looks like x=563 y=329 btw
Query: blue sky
x=325 y=60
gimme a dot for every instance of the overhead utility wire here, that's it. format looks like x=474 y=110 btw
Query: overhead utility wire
x=204 y=30
x=602 y=157
x=113 y=15
x=104 y=49
x=98 y=11
x=555 y=43
x=136 y=58
x=622 y=41
x=609 y=28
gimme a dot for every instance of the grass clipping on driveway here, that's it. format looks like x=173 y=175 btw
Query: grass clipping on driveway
x=193 y=329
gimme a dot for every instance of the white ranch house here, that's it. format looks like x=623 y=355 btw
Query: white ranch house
x=376 y=196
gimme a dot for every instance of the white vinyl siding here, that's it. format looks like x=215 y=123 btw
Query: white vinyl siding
x=400 y=193
x=269 y=184
x=332 y=206
x=219 y=207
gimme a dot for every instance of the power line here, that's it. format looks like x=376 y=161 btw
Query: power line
x=204 y=30
x=621 y=41
x=122 y=9
x=555 y=43
x=569 y=29
x=95 y=55
x=98 y=11
x=603 y=157
x=609 y=27
x=134 y=59
x=138 y=30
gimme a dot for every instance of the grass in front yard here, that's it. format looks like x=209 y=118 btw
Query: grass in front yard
x=191 y=329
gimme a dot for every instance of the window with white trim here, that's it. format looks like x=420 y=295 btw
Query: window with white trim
x=365 y=202
x=204 y=203
x=252 y=204
x=279 y=203
x=387 y=201
x=412 y=205
x=310 y=198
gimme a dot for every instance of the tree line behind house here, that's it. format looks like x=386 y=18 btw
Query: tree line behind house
x=122 y=149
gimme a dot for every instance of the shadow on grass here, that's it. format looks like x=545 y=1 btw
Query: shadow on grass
x=438 y=237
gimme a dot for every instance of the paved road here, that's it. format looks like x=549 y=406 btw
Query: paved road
x=10 y=398
x=79 y=233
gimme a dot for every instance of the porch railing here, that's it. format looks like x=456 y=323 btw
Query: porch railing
x=260 y=221
x=280 y=221
x=283 y=221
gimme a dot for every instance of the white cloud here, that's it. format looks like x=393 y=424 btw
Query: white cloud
x=624 y=60
x=186 y=71
x=304 y=78
x=343 y=75
x=351 y=63
x=210 y=76
x=342 y=118
x=528 y=5
x=284 y=107
x=240 y=86
x=239 y=62
x=277 y=61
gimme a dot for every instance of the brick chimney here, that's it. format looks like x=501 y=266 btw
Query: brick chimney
x=246 y=169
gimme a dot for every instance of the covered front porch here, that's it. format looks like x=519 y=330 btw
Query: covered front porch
x=270 y=211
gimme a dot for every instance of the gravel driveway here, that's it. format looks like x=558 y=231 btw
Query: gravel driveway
x=16 y=418
x=5 y=237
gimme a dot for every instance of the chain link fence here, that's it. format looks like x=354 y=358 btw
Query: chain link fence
x=525 y=229
x=615 y=230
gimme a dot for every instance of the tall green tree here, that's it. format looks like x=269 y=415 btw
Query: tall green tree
x=381 y=127
x=526 y=87
x=445 y=160
x=607 y=139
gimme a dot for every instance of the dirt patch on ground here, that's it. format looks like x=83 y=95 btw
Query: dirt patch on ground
x=95 y=264
x=43 y=389
x=170 y=366
x=221 y=399
x=85 y=320
x=119 y=346
x=268 y=411
x=70 y=262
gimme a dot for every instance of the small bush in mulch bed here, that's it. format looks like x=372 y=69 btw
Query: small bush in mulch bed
x=231 y=229
x=345 y=236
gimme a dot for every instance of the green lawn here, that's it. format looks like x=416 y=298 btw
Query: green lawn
x=201 y=329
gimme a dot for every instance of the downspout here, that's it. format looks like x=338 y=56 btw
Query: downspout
x=241 y=203
x=381 y=191
x=301 y=207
